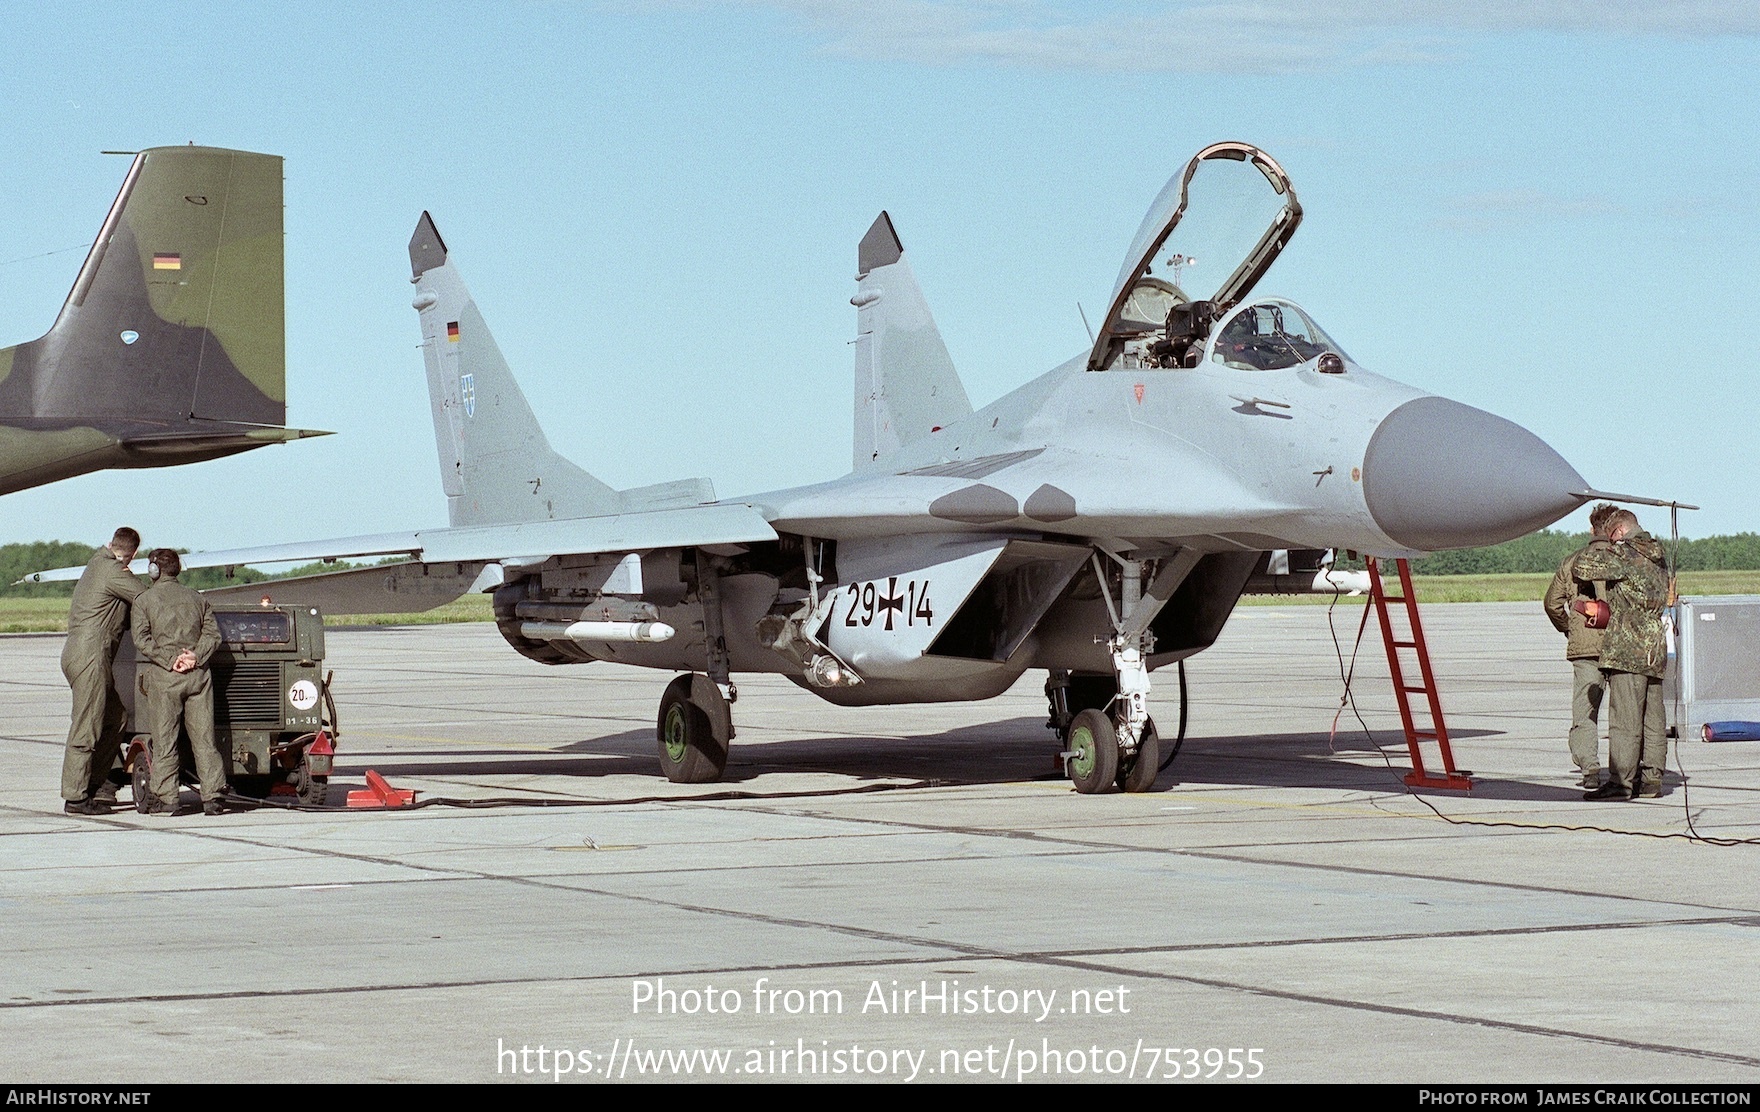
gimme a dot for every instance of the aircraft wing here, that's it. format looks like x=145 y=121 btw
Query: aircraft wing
x=721 y=523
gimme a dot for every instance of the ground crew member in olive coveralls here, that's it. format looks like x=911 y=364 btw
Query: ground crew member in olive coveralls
x=1582 y=647
x=95 y=623
x=1634 y=656
x=175 y=635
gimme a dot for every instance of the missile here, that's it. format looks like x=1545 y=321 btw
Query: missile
x=1350 y=582
x=645 y=632
x=1327 y=581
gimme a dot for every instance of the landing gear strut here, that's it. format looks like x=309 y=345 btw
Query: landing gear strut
x=696 y=722
x=1137 y=772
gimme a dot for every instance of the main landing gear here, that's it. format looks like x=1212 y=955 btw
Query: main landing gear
x=695 y=727
x=696 y=722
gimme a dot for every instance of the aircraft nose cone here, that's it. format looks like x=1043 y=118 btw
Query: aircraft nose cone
x=1439 y=474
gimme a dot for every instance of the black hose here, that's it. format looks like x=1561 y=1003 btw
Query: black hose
x=245 y=802
x=1181 y=739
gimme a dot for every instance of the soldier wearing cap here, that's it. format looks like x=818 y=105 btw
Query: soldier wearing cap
x=95 y=622
x=1634 y=655
x=176 y=635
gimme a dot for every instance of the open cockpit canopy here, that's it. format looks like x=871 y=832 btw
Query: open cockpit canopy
x=1213 y=232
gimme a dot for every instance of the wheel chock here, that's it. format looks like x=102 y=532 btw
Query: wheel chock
x=380 y=794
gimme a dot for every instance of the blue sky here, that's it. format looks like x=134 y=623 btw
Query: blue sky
x=1536 y=208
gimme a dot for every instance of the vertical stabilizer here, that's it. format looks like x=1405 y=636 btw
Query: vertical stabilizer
x=496 y=465
x=172 y=346
x=178 y=310
x=906 y=387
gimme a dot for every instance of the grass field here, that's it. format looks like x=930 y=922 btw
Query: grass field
x=49 y=615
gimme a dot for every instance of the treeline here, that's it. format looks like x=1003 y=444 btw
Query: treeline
x=20 y=560
x=1542 y=552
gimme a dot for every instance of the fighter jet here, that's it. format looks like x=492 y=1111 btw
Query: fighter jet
x=1099 y=523
x=171 y=347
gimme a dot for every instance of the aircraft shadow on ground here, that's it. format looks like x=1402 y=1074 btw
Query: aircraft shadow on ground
x=1010 y=751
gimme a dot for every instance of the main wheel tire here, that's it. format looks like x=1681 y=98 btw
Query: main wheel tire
x=309 y=789
x=141 y=780
x=1093 y=744
x=689 y=751
x=1137 y=772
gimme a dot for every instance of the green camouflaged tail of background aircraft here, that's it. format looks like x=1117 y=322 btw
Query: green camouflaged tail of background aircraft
x=172 y=346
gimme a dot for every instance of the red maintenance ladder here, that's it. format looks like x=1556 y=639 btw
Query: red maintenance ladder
x=1450 y=778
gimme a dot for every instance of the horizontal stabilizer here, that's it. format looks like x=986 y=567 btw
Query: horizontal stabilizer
x=217 y=434
x=666 y=496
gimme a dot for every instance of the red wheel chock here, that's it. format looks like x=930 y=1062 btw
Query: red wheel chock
x=380 y=794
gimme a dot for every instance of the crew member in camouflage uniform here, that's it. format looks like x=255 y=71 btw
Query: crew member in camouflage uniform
x=95 y=621
x=175 y=635
x=1653 y=757
x=1634 y=655
x=1582 y=647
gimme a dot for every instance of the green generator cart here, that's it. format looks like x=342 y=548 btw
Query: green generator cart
x=274 y=718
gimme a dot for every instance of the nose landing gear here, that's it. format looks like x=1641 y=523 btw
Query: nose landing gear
x=1104 y=721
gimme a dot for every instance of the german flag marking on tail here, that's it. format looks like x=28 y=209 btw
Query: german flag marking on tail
x=452 y=332
x=164 y=260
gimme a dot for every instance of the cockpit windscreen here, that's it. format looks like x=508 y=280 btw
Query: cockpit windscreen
x=1270 y=335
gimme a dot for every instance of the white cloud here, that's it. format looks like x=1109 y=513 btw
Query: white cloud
x=1225 y=35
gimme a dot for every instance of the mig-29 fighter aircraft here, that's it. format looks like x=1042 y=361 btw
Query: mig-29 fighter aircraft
x=1099 y=522
x=171 y=348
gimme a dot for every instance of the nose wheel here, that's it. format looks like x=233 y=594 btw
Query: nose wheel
x=1091 y=758
x=1137 y=771
x=1111 y=739
x=1095 y=759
